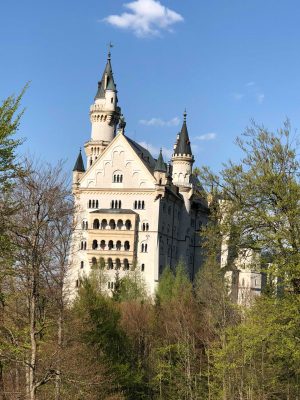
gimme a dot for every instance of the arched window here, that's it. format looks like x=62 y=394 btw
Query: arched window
x=135 y=205
x=112 y=224
x=84 y=246
x=143 y=267
x=144 y=247
x=139 y=205
x=94 y=261
x=147 y=227
x=143 y=205
x=120 y=204
x=97 y=203
x=118 y=245
x=86 y=225
x=112 y=204
x=126 y=245
x=81 y=246
x=118 y=263
x=102 y=244
x=94 y=244
x=103 y=224
x=93 y=204
x=128 y=224
x=110 y=264
x=110 y=245
x=144 y=226
x=121 y=178
x=120 y=224
x=81 y=264
x=126 y=264
x=118 y=178
x=96 y=224
x=90 y=203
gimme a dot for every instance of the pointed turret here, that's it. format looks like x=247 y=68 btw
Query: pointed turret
x=79 y=165
x=160 y=165
x=104 y=115
x=182 y=158
x=160 y=170
x=78 y=171
x=107 y=82
x=183 y=145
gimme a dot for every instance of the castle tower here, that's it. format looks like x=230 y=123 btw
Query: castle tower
x=182 y=159
x=104 y=115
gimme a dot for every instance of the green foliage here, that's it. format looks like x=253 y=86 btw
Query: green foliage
x=9 y=168
x=173 y=285
x=130 y=287
x=9 y=124
x=261 y=209
x=104 y=334
x=261 y=356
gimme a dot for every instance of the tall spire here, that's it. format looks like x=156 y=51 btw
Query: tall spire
x=107 y=81
x=183 y=145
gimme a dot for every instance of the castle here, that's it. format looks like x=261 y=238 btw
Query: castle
x=137 y=211
x=133 y=209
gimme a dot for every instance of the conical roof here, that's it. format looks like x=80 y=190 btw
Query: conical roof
x=79 y=166
x=107 y=79
x=160 y=164
x=183 y=144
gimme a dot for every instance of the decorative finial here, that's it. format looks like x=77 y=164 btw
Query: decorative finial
x=184 y=115
x=110 y=46
x=122 y=123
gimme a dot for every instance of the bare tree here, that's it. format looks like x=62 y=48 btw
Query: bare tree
x=41 y=230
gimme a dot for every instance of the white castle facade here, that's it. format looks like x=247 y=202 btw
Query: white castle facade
x=133 y=209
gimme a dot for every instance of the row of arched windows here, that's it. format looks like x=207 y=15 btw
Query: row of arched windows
x=116 y=204
x=112 y=264
x=93 y=204
x=110 y=245
x=139 y=205
x=118 y=178
x=112 y=224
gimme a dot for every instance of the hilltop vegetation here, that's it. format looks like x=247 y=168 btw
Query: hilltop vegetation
x=188 y=343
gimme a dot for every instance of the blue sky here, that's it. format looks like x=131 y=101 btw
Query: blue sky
x=225 y=61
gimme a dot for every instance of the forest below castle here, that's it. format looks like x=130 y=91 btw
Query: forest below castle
x=189 y=342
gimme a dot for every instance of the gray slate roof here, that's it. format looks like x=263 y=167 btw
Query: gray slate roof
x=79 y=165
x=113 y=211
x=110 y=81
x=160 y=164
x=183 y=145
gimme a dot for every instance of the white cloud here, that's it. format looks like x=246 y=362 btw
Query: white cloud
x=251 y=83
x=260 y=97
x=238 y=96
x=160 y=122
x=167 y=153
x=146 y=18
x=207 y=136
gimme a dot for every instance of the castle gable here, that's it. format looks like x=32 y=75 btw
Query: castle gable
x=117 y=167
